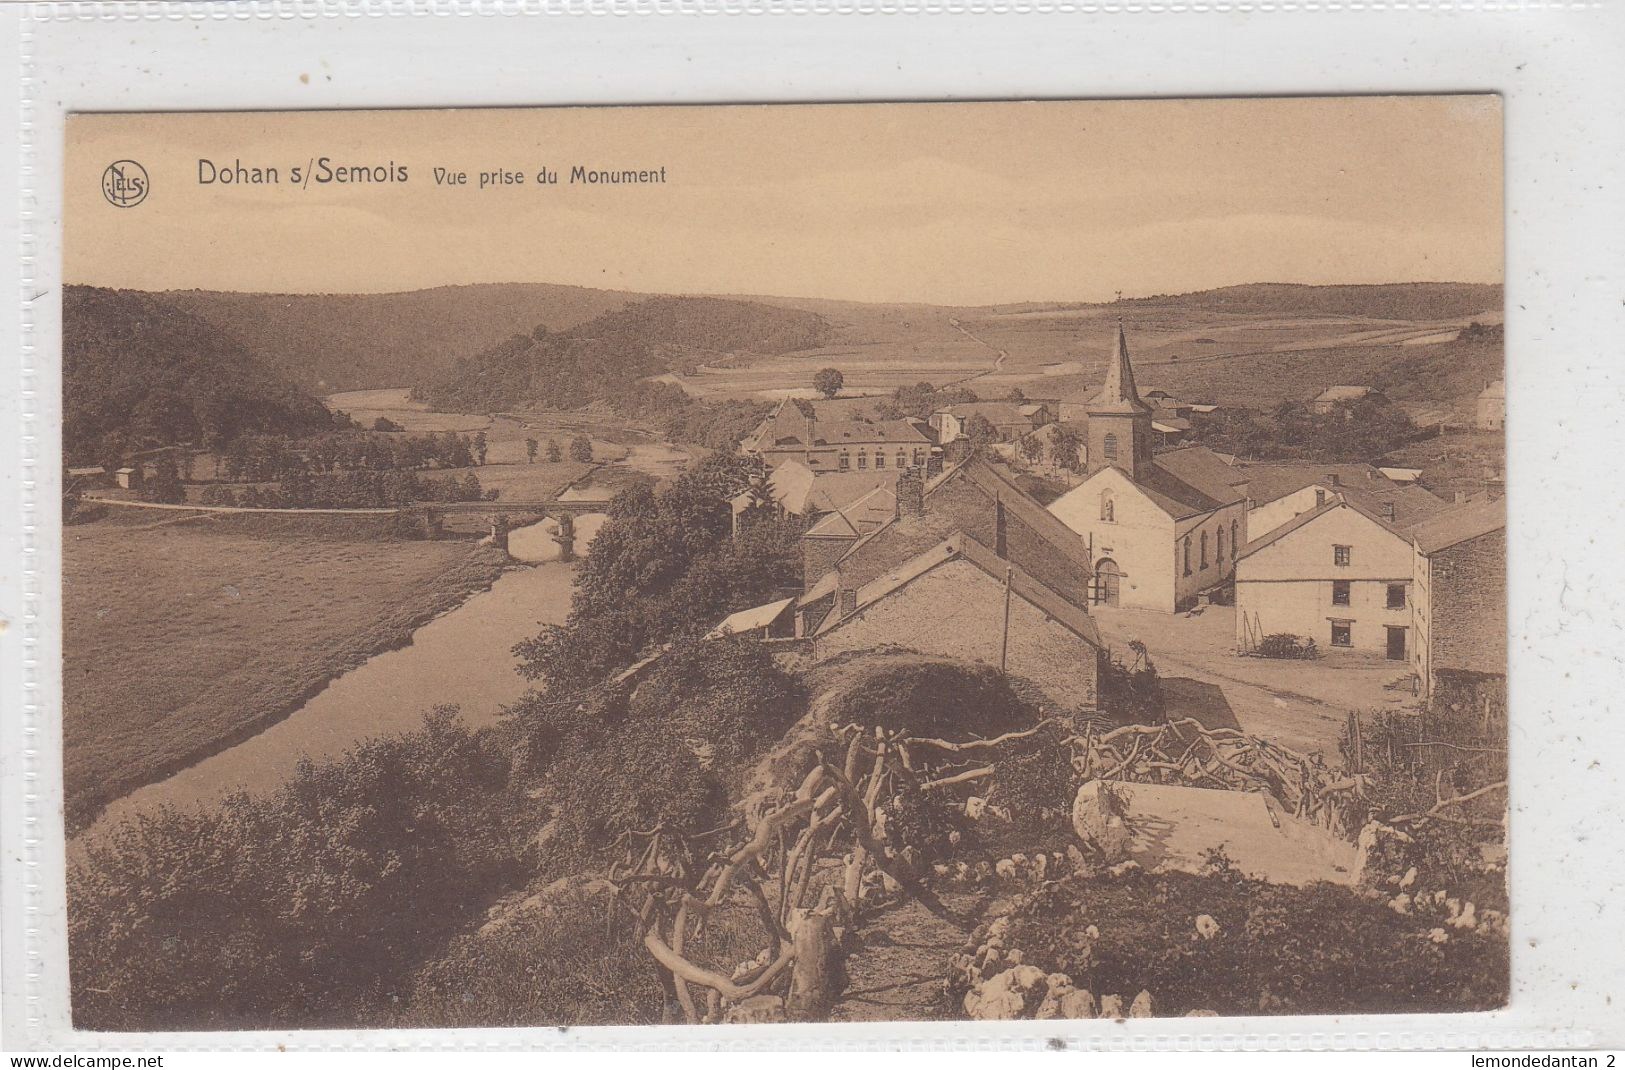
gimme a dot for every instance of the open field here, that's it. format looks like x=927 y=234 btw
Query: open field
x=183 y=638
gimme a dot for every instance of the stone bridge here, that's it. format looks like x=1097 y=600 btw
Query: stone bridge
x=503 y=516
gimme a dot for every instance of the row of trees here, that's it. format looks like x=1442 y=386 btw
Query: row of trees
x=580 y=450
x=352 y=490
x=1364 y=430
x=260 y=458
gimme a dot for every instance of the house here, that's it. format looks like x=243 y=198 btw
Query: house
x=1168 y=428
x=1490 y=413
x=798 y=490
x=1160 y=529
x=1402 y=476
x=1276 y=493
x=1329 y=399
x=1338 y=574
x=960 y=599
x=973 y=498
x=1459 y=569
x=839 y=530
x=1013 y=420
x=129 y=477
x=793 y=431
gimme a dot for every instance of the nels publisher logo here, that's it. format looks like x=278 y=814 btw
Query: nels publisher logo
x=125 y=183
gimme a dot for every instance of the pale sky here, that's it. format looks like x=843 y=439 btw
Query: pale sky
x=942 y=203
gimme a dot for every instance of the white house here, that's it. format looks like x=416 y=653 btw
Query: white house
x=1337 y=574
x=1161 y=529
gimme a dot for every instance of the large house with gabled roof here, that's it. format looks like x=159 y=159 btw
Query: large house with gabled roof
x=793 y=431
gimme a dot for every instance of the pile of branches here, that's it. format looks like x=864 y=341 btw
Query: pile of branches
x=1183 y=751
x=806 y=865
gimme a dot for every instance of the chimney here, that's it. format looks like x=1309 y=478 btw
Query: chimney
x=1000 y=543
x=1371 y=475
x=1337 y=480
x=910 y=493
x=1388 y=511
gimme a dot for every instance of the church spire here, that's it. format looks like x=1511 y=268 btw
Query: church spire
x=1118 y=394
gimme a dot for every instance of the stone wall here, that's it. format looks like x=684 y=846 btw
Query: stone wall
x=1468 y=608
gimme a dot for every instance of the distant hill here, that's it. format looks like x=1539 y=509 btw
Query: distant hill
x=606 y=358
x=138 y=372
x=332 y=342
x=1390 y=301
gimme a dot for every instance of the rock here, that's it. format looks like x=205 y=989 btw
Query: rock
x=1075 y=856
x=975 y=807
x=1408 y=879
x=1005 y=868
x=1056 y=987
x=1201 y=1014
x=1438 y=936
x=1014 y=956
x=1095 y=821
x=1141 y=1007
x=1092 y=932
x=1400 y=904
x=755 y=1010
x=1467 y=919
x=1124 y=867
x=1079 y=1003
x=1383 y=851
x=1206 y=927
x=1019 y=859
x=1040 y=866
x=941 y=869
x=1112 y=1007
x=1003 y=997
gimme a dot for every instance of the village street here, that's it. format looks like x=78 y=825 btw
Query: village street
x=1298 y=704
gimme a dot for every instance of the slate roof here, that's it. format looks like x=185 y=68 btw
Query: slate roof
x=861 y=516
x=748 y=620
x=1359 y=483
x=1343 y=393
x=1459 y=524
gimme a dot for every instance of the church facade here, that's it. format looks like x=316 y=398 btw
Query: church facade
x=1161 y=528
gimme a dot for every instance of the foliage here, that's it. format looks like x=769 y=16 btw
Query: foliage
x=940 y=699
x=828 y=381
x=581 y=449
x=1287 y=645
x=1279 y=949
x=1066 y=447
x=531 y=447
x=1363 y=430
x=384 y=423
x=922 y=399
x=1132 y=693
x=555 y=453
x=664 y=566
x=981 y=432
x=298 y=909
x=137 y=373
x=568 y=960
x=165 y=484
x=671 y=749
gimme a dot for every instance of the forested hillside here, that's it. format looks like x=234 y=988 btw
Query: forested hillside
x=137 y=372
x=333 y=342
x=1389 y=301
x=608 y=358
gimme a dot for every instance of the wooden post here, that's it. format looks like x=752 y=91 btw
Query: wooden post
x=816 y=977
x=1004 y=639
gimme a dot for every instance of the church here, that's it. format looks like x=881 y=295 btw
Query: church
x=1161 y=528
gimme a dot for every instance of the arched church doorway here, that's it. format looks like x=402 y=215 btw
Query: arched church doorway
x=1108 y=581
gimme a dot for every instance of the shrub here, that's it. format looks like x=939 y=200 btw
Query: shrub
x=1287 y=645
x=943 y=699
x=303 y=908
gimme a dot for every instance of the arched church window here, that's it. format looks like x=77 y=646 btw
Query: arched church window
x=1187 y=555
x=1204 y=549
x=1109 y=447
x=1218 y=552
x=1235 y=538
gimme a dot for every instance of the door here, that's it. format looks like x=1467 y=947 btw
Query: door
x=1396 y=643
x=1108 y=580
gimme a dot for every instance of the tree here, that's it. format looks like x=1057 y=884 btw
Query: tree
x=1031 y=449
x=554 y=453
x=828 y=382
x=1016 y=394
x=165 y=485
x=981 y=432
x=581 y=449
x=384 y=423
x=530 y=451
x=480 y=446
x=1064 y=449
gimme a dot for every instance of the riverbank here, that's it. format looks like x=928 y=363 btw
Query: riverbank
x=184 y=640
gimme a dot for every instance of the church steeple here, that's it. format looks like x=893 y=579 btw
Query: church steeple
x=1119 y=422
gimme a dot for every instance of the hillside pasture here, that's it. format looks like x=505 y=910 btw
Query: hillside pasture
x=184 y=637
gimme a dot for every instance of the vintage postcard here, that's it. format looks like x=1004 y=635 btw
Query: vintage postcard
x=738 y=564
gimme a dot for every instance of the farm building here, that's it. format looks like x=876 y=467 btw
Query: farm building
x=799 y=491
x=1329 y=399
x=1160 y=529
x=1491 y=408
x=1013 y=420
x=1276 y=493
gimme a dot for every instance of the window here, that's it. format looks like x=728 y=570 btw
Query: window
x=1320 y=497
x=902 y=459
x=1396 y=596
x=1218 y=552
x=919 y=458
x=1342 y=633
x=846 y=460
x=1342 y=556
x=1187 y=555
x=1204 y=549
x=1340 y=592
x=1235 y=537
x=1108 y=507
x=863 y=459
x=1108 y=448
x=880 y=458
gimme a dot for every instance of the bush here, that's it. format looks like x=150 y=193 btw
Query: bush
x=304 y=908
x=1287 y=645
x=943 y=699
x=216 y=494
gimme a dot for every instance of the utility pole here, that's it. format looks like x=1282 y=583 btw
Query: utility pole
x=1004 y=641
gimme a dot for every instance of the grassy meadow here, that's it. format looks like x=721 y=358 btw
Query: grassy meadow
x=185 y=636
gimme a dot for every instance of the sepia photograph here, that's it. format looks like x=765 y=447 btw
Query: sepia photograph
x=991 y=561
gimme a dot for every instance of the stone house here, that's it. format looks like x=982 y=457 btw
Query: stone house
x=793 y=431
x=1459 y=569
x=960 y=599
x=1490 y=409
x=1278 y=492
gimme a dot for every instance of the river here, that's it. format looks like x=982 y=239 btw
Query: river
x=463 y=657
